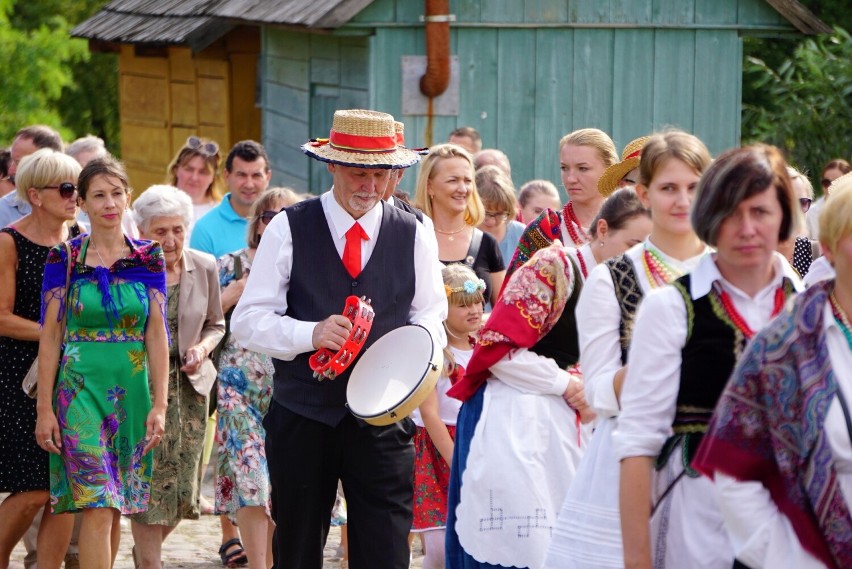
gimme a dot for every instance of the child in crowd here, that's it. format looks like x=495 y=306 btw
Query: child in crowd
x=436 y=418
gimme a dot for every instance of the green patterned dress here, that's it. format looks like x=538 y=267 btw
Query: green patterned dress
x=101 y=397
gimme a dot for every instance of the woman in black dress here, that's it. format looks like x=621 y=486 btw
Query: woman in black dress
x=47 y=181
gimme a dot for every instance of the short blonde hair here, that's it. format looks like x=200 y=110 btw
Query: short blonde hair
x=536 y=187
x=835 y=218
x=677 y=144
x=475 y=211
x=597 y=139
x=44 y=167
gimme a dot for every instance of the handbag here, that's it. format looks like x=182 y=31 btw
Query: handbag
x=30 y=381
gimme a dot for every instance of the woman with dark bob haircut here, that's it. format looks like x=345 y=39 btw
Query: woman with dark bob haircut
x=686 y=341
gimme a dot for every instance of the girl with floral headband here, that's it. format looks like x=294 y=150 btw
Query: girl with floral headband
x=436 y=418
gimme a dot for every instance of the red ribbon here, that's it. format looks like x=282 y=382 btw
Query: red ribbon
x=359 y=143
x=636 y=154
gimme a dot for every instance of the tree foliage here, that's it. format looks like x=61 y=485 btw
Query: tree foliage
x=805 y=103
x=35 y=65
x=50 y=77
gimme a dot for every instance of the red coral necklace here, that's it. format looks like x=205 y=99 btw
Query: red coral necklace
x=572 y=224
x=737 y=319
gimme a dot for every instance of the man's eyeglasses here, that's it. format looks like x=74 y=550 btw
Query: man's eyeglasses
x=66 y=189
x=206 y=148
x=267 y=216
x=805 y=203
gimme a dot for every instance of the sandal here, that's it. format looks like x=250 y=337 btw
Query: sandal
x=236 y=557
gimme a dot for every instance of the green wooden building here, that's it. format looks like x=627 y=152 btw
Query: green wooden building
x=525 y=72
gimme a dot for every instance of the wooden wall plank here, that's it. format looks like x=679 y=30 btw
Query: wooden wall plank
x=354 y=63
x=554 y=70
x=718 y=88
x=244 y=111
x=181 y=65
x=589 y=11
x=409 y=12
x=145 y=144
x=674 y=11
x=633 y=89
x=758 y=12
x=467 y=10
x=716 y=11
x=377 y=11
x=674 y=79
x=631 y=11
x=516 y=56
x=183 y=104
x=130 y=63
x=477 y=53
x=213 y=101
x=142 y=177
x=144 y=98
x=502 y=11
x=286 y=44
x=593 y=88
x=550 y=11
x=288 y=101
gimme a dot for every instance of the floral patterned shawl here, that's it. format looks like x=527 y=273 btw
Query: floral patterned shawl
x=768 y=427
x=539 y=234
x=528 y=308
x=145 y=264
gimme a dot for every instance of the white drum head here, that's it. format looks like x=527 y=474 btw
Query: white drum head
x=389 y=371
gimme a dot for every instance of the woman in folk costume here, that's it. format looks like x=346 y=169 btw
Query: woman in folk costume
x=583 y=156
x=779 y=446
x=687 y=339
x=588 y=533
x=520 y=432
x=622 y=222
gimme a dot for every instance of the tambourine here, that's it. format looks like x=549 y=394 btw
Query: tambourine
x=328 y=365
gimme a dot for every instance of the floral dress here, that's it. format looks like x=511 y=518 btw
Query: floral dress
x=101 y=396
x=244 y=394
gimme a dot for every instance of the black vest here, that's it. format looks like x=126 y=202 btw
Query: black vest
x=629 y=295
x=319 y=285
x=562 y=342
x=409 y=208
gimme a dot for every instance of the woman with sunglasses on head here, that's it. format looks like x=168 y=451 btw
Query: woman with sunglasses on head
x=47 y=181
x=105 y=335
x=832 y=170
x=244 y=394
x=195 y=171
x=686 y=340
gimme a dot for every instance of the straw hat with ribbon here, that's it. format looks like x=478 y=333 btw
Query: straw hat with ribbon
x=362 y=139
x=630 y=157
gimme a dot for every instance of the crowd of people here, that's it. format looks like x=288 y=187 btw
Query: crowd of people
x=654 y=373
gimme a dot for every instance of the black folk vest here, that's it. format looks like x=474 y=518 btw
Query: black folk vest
x=319 y=285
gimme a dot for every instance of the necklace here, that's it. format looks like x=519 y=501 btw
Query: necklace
x=582 y=263
x=737 y=319
x=572 y=224
x=452 y=234
x=659 y=272
x=841 y=318
x=98 y=253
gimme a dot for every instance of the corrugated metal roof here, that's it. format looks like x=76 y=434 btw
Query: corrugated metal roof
x=176 y=21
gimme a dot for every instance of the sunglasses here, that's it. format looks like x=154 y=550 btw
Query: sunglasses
x=267 y=216
x=206 y=148
x=805 y=203
x=66 y=189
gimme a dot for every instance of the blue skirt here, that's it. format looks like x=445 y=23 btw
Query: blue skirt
x=471 y=410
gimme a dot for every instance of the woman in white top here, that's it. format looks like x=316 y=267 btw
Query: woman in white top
x=583 y=156
x=588 y=533
x=783 y=425
x=686 y=341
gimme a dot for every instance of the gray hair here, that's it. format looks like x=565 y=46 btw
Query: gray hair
x=88 y=143
x=161 y=201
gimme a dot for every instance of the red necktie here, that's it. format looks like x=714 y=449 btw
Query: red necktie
x=352 y=250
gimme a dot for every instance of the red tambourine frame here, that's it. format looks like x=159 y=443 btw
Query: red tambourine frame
x=327 y=364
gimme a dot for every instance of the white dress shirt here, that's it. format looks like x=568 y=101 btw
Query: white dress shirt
x=589 y=261
x=259 y=322
x=762 y=536
x=821 y=270
x=649 y=394
x=599 y=321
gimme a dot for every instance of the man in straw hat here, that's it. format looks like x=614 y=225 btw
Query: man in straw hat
x=312 y=257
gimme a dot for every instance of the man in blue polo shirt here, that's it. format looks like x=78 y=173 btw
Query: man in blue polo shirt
x=223 y=229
